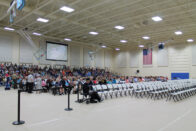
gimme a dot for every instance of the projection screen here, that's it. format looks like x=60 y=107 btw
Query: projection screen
x=56 y=51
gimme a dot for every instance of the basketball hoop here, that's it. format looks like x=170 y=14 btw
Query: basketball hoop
x=91 y=55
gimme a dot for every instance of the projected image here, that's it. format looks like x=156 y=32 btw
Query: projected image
x=56 y=51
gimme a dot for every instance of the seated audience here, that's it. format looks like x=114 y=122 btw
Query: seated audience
x=28 y=77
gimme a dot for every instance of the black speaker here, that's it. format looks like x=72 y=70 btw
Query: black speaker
x=161 y=46
x=138 y=71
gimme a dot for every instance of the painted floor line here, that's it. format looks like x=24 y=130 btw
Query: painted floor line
x=44 y=122
x=176 y=120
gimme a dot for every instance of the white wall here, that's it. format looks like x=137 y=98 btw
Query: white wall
x=15 y=49
x=177 y=58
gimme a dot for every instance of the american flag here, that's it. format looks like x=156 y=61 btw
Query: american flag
x=147 y=56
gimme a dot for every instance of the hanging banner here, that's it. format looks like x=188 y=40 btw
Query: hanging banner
x=20 y=4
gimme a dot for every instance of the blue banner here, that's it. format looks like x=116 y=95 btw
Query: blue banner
x=20 y=4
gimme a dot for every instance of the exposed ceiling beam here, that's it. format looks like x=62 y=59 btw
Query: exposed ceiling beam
x=74 y=13
x=152 y=13
x=132 y=18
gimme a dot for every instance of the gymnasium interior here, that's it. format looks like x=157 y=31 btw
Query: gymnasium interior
x=97 y=65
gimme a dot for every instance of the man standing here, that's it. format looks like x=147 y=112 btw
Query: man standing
x=14 y=78
x=30 y=80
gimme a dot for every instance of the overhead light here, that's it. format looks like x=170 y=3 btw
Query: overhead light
x=141 y=46
x=146 y=37
x=119 y=27
x=123 y=41
x=157 y=18
x=38 y=34
x=103 y=46
x=10 y=29
x=161 y=43
x=42 y=20
x=93 y=33
x=178 y=32
x=67 y=39
x=117 y=49
x=190 y=40
x=67 y=9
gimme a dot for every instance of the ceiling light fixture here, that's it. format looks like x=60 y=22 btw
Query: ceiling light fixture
x=141 y=46
x=10 y=29
x=93 y=33
x=190 y=40
x=117 y=49
x=123 y=41
x=157 y=18
x=38 y=34
x=119 y=27
x=146 y=37
x=67 y=9
x=160 y=43
x=42 y=20
x=178 y=32
x=103 y=46
x=67 y=39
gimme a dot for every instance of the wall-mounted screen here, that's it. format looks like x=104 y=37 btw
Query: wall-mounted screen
x=56 y=51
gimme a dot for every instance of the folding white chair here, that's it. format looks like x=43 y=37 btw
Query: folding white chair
x=120 y=89
x=111 y=90
x=115 y=87
x=99 y=90
x=105 y=90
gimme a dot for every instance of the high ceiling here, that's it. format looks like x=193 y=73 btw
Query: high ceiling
x=102 y=15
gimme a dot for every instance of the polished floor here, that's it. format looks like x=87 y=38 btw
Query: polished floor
x=45 y=112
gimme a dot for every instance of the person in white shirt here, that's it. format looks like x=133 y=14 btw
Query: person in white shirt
x=30 y=80
x=38 y=83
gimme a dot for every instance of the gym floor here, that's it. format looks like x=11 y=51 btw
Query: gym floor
x=45 y=112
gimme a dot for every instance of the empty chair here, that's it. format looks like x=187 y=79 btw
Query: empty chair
x=120 y=89
x=110 y=90
x=105 y=90
x=99 y=90
x=116 y=89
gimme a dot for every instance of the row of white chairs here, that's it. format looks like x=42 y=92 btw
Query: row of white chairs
x=176 y=89
x=113 y=89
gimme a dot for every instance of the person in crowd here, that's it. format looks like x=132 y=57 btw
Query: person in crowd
x=109 y=81
x=44 y=84
x=88 y=90
x=114 y=80
x=39 y=83
x=30 y=80
x=63 y=77
x=24 y=82
x=64 y=84
x=14 y=80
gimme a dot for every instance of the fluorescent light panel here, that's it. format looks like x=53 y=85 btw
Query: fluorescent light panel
x=67 y=39
x=42 y=20
x=141 y=46
x=38 y=34
x=123 y=41
x=10 y=29
x=117 y=49
x=178 y=32
x=103 y=46
x=67 y=9
x=190 y=40
x=119 y=27
x=93 y=33
x=157 y=18
x=146 y=37
x=161 y=43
